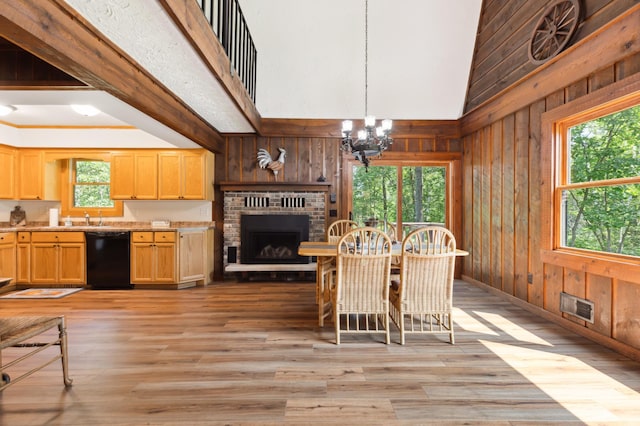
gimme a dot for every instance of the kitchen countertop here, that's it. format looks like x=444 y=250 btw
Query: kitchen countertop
x=108 y=227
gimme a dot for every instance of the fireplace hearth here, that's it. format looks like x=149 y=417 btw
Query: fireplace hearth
x=270 y=238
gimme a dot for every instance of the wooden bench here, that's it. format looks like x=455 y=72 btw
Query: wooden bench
x=15 y=331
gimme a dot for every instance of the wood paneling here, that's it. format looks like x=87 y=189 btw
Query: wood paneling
x=508 y=207
x=504 y=32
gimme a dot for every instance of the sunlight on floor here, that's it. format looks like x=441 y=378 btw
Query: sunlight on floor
x=468 y=323
x=513 y=330
x=585 y=399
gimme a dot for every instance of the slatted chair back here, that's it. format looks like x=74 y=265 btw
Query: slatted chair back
x=361 y=292
x=423 y=301
x=338 y=228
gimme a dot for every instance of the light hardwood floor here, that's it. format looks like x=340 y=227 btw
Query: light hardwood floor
x=252 y=353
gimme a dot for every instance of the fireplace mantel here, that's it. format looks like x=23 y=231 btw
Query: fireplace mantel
x=275 y=186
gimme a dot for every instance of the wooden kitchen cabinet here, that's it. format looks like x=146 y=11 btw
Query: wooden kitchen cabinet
x=185 y=175
x=192 y=255
x=23 y=257
x=58 y=258
x=134 y=175
x=7 y=172
x=37 y=179
x=8 y=255
x=153 y=257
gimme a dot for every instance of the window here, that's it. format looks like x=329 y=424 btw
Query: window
x=423 y=192
x=86 y=188
x=598 y=190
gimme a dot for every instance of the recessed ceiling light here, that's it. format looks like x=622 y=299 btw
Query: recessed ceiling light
x=7 y=109
x=87 y=110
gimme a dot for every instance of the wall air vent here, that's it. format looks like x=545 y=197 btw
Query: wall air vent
x=292 y=202
x=252 y=201
x=577 y=307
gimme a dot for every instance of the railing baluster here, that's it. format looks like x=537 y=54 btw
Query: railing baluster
x=228 y=24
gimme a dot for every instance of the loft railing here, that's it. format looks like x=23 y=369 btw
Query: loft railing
x=227 y=21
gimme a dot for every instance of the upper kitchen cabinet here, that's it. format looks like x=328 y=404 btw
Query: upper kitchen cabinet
x=7 y=172
x=185 y=175
x=37 y=179
x=134 y=175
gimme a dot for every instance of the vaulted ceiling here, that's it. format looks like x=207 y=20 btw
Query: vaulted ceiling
x=311 y=59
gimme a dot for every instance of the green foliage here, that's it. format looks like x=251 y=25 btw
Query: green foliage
x=91 y=188
x=604 y=218
x=375 y=193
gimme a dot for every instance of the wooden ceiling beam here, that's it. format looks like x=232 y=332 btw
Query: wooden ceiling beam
x=323 y=128
x=56 y=33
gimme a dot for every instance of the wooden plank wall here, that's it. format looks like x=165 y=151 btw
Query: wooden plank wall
x=310 y=157
x=503 y=177
x=504 y=32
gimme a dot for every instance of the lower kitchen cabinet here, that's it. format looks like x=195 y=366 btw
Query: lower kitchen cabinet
x=192 y=255
x=153 y=257
x=8 y=255
x=58 y=258
x=23 y=255
x=168 y=259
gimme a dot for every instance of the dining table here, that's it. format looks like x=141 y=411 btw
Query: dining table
x=326 y=249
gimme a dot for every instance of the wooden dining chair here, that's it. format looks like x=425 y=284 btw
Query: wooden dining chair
x=327 y=269
x=422 y=301
x=360 y=294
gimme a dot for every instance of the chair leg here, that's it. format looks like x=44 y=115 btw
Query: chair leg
x=63 y=353
x=451 y=339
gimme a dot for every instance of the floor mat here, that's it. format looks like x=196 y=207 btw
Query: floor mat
x=41 y=293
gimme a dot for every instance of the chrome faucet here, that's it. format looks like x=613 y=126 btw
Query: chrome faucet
x=100 y=216
x=86 y=218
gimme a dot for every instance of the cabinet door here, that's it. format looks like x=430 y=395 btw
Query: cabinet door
x=7 y=173
x=169 y=176
x=72 y=263
x=30 y=174
x=193 y=176
x=146 y=176
x=192 y=258
x=44 y=263
x=142 y=263
x=23 y=264
x=165 y=263
x=7 y=256
x=122 y=176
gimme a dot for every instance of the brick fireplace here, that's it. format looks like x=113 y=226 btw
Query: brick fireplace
x=287 y=199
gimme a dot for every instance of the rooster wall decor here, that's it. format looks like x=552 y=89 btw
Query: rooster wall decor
x=266 y=162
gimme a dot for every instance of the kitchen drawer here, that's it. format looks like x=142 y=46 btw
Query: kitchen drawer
x=7 y=237
x=24 y=237
x=142 y=237
x=165 y=237
x=57 y=237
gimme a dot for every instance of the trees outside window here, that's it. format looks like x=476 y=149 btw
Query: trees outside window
x=600 y=183
x=422 y=188
x=91 y=184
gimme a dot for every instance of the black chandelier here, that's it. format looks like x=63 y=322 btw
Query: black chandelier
x=371 y=140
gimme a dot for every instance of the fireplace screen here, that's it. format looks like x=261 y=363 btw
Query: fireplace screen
x=273 y=238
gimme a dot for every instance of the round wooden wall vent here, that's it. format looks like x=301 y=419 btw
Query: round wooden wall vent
x=554 y=29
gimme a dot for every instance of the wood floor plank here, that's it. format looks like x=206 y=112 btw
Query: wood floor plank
x=251 y=353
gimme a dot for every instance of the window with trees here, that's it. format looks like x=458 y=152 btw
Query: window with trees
x=598 y=191
x=422 y=190
x=86 y=188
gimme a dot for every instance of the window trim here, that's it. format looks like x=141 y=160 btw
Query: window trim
x=615 y=97
x=66 y=192
x=451 y=161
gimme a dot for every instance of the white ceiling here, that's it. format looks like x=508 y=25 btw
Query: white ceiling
x=311 y=63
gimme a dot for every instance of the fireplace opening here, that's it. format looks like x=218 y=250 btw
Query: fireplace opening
x=273 y=238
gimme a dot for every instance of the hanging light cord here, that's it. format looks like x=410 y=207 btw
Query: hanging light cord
x=366 y=56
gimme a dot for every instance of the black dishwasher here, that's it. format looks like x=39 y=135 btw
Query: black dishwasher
x=108 y=262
